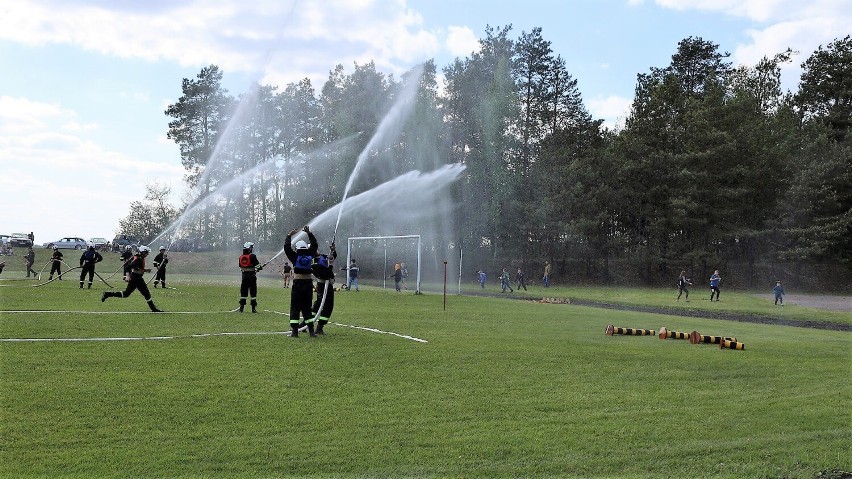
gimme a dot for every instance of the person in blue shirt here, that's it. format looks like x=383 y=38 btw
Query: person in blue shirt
x=481 y=278
x=353 y=276
x=302 y=294
x=779 y=293
x=715 y=279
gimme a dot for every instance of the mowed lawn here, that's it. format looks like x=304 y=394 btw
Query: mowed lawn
x=499 y=388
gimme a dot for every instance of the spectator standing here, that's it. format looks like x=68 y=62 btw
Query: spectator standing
x=504 y=282
x=353 y=276
x=397 y=276
x=481 y=278
x=546 y=277
x=779 y=293
x=404 y=276
x=521 y=280
x=287 y=273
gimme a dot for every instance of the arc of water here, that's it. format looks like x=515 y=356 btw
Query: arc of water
x=405 y=190
x=389 y=128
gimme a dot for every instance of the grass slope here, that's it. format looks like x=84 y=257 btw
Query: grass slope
x=501 y=389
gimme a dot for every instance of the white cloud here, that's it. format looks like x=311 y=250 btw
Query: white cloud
x=258 y=36
x=801 y=25
x=612 y=109
x=461 y=41
x=59 y=173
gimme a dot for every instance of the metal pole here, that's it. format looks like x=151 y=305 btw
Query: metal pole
x=445 y=285
x=461 y=259
x=419 y=243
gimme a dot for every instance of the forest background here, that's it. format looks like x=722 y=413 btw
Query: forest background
x=714 y=168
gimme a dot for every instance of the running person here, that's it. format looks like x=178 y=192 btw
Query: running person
x=249 y=266
x=323 y=270
x=160 y=262
x=715 y=279
x=682 y=282
x=302 y=294
x=87 y=263
x=136 y=281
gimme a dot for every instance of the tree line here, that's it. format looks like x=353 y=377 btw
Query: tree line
x=715 y=166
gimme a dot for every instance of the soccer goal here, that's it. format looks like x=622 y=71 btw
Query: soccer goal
x=379 y=254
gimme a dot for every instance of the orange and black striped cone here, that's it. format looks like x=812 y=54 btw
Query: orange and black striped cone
x=666 y=334
x=727 y=344
x=697 y=338
x=610 y=330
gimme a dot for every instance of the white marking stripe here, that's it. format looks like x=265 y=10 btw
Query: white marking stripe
x=114 y=312
x=201 y=335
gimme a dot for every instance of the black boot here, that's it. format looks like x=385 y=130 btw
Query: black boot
x=311 y=332
x=155 y=285
x=295 y=330
x=81 y=285
x=242 y=305
x=253 y=306
x=320 y=324
x=90 y=285
x=153 y=307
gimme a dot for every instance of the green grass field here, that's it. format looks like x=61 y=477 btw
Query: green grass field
x=500 y=388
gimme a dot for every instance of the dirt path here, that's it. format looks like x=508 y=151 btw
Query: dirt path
x=828 y=303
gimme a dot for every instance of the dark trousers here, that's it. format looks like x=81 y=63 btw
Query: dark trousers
x=55 y=269
x=301 y=298
x=87 y=269
x=325 y=290
x=248 y=288
x=160 y=276
x=137 y=282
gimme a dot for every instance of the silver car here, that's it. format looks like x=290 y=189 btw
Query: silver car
x=69 y=242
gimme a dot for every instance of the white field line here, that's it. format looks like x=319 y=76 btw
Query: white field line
x=201 y=335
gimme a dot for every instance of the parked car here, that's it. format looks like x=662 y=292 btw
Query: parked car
x=69 y=242
x=99 y=243
x=120 y=241
x=4 y=240
x=20 y=240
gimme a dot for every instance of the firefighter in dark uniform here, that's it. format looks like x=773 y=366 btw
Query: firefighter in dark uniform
x=323 y=269
x=87 y=263
x=302 y=293
x=249 y=265
x=57 y=262
x=126 y=256
x=160 y=262
x=29 y=260
x=137 y=270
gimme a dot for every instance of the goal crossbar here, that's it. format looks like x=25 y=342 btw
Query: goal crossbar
x=359 y=238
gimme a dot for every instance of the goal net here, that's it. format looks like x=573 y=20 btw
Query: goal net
x=378 y=257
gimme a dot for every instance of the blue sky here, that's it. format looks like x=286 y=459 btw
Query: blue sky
x=84 y=83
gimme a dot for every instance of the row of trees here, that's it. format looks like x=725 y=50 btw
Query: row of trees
x=715 y=168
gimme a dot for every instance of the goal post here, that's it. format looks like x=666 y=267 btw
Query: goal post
x=351 y=240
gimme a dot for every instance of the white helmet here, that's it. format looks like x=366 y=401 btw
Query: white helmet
x=301 y=244
x=248 y=245
x=144 y=249
x=162 y=247
x=55 y=247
